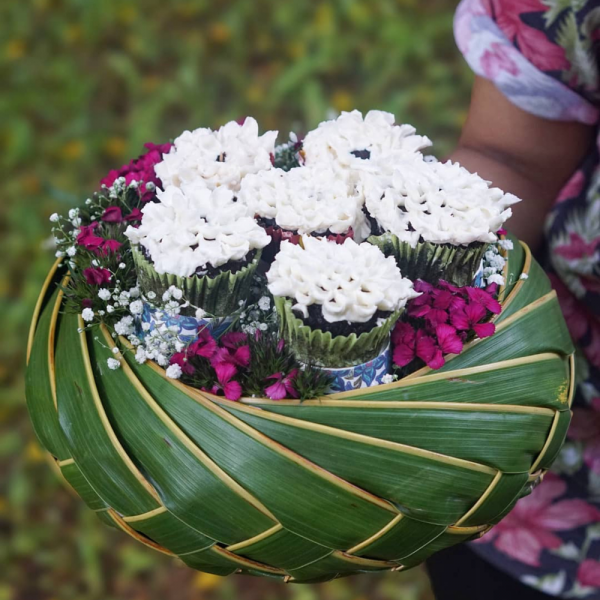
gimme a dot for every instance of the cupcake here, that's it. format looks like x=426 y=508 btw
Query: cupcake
x=219 y=158
x=352 y=144
x=201 y=241
x=337 y=302
x=305 y=201
x=436 y=219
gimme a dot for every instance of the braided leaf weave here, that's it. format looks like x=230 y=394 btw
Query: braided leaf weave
x=368 y=480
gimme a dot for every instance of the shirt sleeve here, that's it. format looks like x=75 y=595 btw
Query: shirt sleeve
x=513 y=63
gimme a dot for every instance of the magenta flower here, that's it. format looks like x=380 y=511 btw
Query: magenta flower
x=205 y=345
x=109 y=246
x=283 y=386
x=182 y=359
x=404 y=340
x=231 y=389
x=448 y=340
x=140 y=169
x=112 y=214
x=88 y=239
x=428 y=351
x=134 y=215
x=235 y=350
x=484 y=298
x=96 y=275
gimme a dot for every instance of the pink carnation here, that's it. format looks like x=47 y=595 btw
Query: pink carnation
x=140 y=169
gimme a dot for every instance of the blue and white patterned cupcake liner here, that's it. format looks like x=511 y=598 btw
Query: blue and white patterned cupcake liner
x=187 y=326
x=364 y=375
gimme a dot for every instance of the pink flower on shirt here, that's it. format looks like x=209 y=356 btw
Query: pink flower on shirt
x=530 y=527
x=497 y=59
x=533 y=43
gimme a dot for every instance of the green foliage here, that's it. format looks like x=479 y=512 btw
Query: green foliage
x=85 y=85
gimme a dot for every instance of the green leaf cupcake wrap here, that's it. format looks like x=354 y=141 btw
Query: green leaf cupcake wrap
x=432 y=262
x=322 y=349
x=219 y=296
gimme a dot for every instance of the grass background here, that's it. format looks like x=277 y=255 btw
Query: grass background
x=84 y=84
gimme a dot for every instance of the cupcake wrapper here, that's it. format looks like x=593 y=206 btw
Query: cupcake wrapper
x=321 y=349
x=187 y=326
x=431 y=262
x=365 y=375
x=219 y=296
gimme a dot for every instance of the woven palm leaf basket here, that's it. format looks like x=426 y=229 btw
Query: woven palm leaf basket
x=373 y=479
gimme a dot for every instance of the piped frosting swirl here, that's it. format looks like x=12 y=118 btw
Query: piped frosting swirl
x=306 y=200
x=192 y=227
x=219 y=158
x=350 y=281
x=437 y=202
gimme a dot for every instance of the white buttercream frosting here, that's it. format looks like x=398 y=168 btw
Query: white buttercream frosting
x=349 y=281
x=217 y=158
x=438 y=202
x=193 y=226
x=380 y=141
x=306 y=200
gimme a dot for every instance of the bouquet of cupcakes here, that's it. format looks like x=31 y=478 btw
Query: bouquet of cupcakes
x=298 y=305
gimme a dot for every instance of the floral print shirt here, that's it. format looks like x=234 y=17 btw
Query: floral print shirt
x=543 y=55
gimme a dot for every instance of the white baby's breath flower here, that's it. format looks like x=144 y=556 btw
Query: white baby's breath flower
x=387 y=378
x=54 y=218
x=122 y=265
x=71 y=251
x=95 y=263
x=136 y=307
x=134 y=292
x=140 y=355
x=162 y=360
x=200 y=313
x=151 y=295
x=172 y=308
x=176 y=293
x=264 y=303
x=88 y=201
x=146 y=326
x=506 y=244
x=524 y=276
x=59 y=254
x=74 y=212
x=124 y=326
x=76 y=222
x=110 y=308
x=166 y=296
x=104 y=294
x=115 y=350
x=113 y=364
x=174 y=371
x=87 y=314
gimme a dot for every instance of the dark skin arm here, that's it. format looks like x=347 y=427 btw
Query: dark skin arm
x=523 y=154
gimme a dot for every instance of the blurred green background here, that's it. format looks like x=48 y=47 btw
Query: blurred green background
x=84 y=84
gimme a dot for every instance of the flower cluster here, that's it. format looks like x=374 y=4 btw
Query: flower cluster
x=494 y=262
x=441 y=320
x=141 y=170
x=222 y=367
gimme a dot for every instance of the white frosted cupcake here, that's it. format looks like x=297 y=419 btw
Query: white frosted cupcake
x=200 y=240
x=337 y=302
x=351 y=143
x=219 y=158
x=435 y=218
x=305 y=201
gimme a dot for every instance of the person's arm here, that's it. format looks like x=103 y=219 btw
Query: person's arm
x=523 y=154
